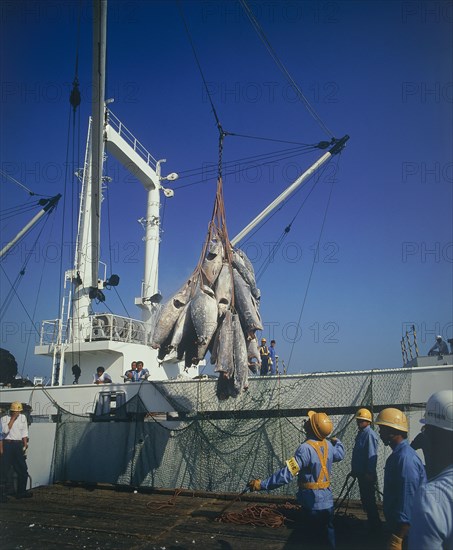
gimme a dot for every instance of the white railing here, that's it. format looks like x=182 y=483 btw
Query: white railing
x=120 y=329
x=50 y=332
x=103 y=326
x=129 y=138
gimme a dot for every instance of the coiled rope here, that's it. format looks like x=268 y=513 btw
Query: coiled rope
x=259 y=515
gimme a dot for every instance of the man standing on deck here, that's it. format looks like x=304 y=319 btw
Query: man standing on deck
x=312 y=466
x=363 y=466
x=264 y=354
x=404 y=473
x=432 y=514
x=272 y=358
x=15 y=445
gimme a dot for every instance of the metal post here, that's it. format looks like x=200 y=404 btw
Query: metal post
x=415 y=340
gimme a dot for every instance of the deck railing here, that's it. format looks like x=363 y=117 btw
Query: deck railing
x=105 y=326
x=127 y=135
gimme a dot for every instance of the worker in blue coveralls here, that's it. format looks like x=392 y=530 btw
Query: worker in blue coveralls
x=432 y=513
x=404 y=474
x=311 y=465
x=272 y=358
x=363 y=466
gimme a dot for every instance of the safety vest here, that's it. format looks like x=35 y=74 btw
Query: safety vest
x=323 y=478
x=264 y=351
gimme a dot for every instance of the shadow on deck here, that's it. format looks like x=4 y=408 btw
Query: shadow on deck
x=106 y=517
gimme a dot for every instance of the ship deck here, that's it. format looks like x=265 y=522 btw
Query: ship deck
x=107 y=517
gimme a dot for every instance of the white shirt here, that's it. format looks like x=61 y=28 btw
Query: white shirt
x=142 y=374
x=105 y=377
x=432 y=514
x=19 y=429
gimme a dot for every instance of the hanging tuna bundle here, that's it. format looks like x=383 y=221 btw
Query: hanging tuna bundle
x=216 y=310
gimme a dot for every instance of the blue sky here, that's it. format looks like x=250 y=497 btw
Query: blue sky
x=377 y=71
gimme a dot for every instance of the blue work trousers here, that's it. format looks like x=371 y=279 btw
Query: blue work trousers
x=13 y=455
x=368 y=498
x=264 y=366
x=319 y=525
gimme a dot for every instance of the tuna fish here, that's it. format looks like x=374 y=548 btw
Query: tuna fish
x=253 y=355
x=225 y=387
x=223 y=355
x=212 y=264
x=241 y=369
x=202 y=315
x=224 y=289
x=170 y=313
x=181 y=326
x=246 y=272
x=246 y=306
x=203 y=311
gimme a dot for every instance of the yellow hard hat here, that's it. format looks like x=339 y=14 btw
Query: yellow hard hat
x=364 y=414
x=320 y=424
x=16 y=406
x=263 y=340
x=393 y=418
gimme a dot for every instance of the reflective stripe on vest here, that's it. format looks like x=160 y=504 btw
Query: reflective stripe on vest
x=264 y=351
x=323 y=478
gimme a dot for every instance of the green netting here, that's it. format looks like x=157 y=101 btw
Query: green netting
x=220 y=445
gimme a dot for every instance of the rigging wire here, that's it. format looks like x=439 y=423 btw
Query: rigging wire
x=75 y=100
x=192 y=45
x=14 y=211
x=285 y=153
x=261 y=138
x=270 y=160
x=109 y=229
x=34 y=310
x=312 y=268
x=8 y=176
x=14 y=286
x=278 y=244
x=253 y=20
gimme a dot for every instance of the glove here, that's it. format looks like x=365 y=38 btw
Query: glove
x=394 y=543
x=254 y=485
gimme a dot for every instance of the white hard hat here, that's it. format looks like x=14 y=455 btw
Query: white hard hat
x=439 y=410
x=438 y=337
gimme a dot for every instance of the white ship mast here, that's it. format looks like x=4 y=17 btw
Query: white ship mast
x=86 y=264
x=108 y=132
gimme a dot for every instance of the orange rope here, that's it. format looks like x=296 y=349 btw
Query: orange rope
x=170 y=502
x=260 y=516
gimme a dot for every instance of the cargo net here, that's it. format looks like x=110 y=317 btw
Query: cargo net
x=219 y=448
x=215 y=311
